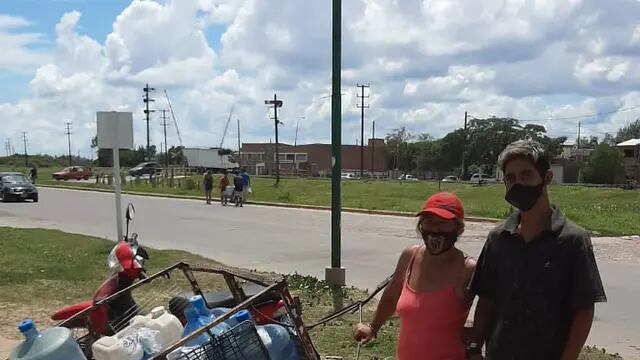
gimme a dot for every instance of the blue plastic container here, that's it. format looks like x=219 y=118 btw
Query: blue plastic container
x=278 y=342
x=194 y=322
x=201 y=307
x=51 y=344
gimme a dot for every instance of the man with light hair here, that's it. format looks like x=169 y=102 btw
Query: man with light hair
x=537 y=279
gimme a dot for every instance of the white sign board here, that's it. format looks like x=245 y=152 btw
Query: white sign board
x=115 y=130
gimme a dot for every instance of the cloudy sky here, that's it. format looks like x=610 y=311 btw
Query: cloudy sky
x=427 y=62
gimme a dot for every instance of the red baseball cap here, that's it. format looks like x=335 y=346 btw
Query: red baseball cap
x=445 y=205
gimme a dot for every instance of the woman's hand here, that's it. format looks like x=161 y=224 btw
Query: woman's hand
x=363 y=333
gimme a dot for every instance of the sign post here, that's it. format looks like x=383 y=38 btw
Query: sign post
x=115 y=131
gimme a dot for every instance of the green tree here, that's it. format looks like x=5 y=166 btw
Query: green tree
x=631 y=131
x=401 y=153
x=605 y=166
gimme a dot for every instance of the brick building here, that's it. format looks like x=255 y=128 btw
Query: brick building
x=311 y=159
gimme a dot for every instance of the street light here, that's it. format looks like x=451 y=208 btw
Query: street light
x=295 y=142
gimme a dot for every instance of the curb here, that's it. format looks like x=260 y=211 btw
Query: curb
x=264 y=203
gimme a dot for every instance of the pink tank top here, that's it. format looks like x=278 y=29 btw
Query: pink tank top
x=431 y=323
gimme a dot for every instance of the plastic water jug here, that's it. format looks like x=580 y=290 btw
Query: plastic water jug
x=117 y=348
x=245 y=324
x=194 y=322
x=206 y=316
x=201 y=307
x=169 y=327
x=278 y=342
x=51 y=344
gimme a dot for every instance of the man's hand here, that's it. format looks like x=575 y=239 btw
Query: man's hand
x=363 y=333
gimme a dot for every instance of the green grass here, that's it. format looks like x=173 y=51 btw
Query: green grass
x=601 y=210
x=43 y=270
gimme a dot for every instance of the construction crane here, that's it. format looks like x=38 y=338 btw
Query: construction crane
x=226 y=127
x=173 y=116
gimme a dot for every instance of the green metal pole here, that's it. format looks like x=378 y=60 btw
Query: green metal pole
x=336 y=133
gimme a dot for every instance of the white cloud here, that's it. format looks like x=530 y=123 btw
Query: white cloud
x=427 y=61
x=19 y=48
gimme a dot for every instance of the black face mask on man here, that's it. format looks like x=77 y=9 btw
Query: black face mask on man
x=524 y=197
x=437 y=243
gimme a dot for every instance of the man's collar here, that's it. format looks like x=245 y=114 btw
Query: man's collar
x=555 y=224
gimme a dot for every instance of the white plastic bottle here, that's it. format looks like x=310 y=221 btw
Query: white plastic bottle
x=169 y=327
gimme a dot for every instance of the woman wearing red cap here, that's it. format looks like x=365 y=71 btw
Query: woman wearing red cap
x=429 y=287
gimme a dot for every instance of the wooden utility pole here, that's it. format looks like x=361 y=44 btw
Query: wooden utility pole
x=362 y=106
x=26 y=157
x=68 y=132
x=276 y=104
x=463 y=167
x=147 y=100
x=373 y=147
x=166 y=147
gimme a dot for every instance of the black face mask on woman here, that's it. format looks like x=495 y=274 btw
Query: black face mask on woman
x=437 y=243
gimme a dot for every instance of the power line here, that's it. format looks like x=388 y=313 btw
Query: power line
x=598 y=114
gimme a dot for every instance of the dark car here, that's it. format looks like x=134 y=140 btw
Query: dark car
x=145 y=168
x=16 y=186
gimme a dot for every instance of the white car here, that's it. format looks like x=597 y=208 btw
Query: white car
x=483 y=179
x=349 y=176
x=408 y=177
x=450 y=179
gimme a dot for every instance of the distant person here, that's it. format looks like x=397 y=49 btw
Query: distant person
x=246 y=184
x=224 y=182
x=34 y=174
x=208 y=185
x=537 y=279
x=238 y=189
x=429 y=288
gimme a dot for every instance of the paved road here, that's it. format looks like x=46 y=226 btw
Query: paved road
x=293 y=240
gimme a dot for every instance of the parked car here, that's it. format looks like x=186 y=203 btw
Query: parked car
x=73 y=173
x=408 y=177
x=145 y=168
x=483 y=179
x=16 y=186
x=349 y=176
x=450 y=179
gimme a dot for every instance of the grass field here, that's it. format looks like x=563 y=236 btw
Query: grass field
x=43 y=270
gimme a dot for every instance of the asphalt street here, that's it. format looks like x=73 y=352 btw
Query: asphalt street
x=297 y=240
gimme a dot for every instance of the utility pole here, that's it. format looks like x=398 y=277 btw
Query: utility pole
x=335 y=275
x=7 y=146
x=463 y=167
x=166 y=148
x=239 y=147
x=68 y=127
x=276 y=104
x=373 y=147
x=579 y=155
x=147 y=100
x=26 y=157
x=362 y=106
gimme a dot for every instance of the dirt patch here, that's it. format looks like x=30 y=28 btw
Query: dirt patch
x=14 y=313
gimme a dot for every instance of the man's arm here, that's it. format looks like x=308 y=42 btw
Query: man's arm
x=580 y=327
